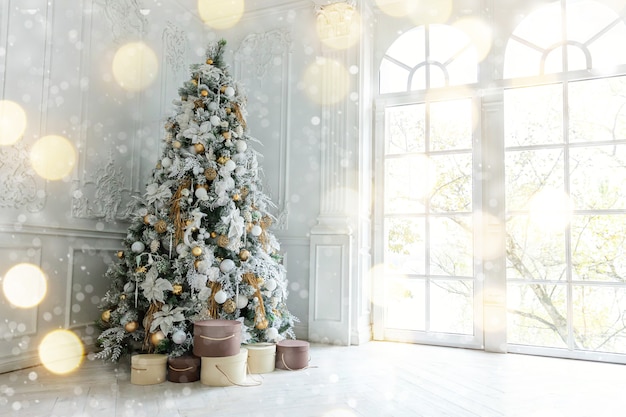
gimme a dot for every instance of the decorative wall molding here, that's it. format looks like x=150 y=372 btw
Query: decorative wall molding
x=255 y=60
x=174 y=47
x=20 y=187
x=107 y=188
x=125 y=18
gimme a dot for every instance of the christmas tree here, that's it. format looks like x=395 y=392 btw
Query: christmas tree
x=199 y=245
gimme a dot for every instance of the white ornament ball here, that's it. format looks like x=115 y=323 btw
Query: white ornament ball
x=239 y=130
x=137 y=247
x=202 y=194
x=241 y=146
x=256 y=230
x=270 y=284
x=181 y=249
x=271 y=333
x=240 y=170
x=179 y=337
x=213 y=106
x=220 y=297
x=215 y=121
x=229 y=91
x=230 y=165
x=227 y=265
x=129 y=287
x=241 y=301
x=166 y=162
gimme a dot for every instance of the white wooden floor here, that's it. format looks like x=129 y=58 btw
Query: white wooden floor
x=377 y=379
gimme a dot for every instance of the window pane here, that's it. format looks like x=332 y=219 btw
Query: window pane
x=604 y=54
x=520 y=61
x=542 y=27
x=405 y=250
x=409 y=49
x=597 y=110
x=452 y=306
x=528 y=172
x=405 y=300
x=533 y=254
x=533 y=115
x=393 y=78
x=597 y=177
x=448 y=133
x=405 y=129
x=599 y=318
x=598 y=249
x=451 y=246
x=452 y=190
x=537 y=315
x=408 y=181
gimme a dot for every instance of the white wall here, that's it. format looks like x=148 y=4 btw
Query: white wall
x=55 y=61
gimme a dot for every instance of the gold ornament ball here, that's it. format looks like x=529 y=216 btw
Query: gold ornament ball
x=176 y=144
x=229 y=306
x=260 y=281
x=177 y=289
x=226 y=134
x=194 y=81
x=160 y=226
x=199 y=147
x=196 y=263
x=222 y=241
x=223 y=88
x=156 y=338
x=244 y=254
x=204 y=93
x=262 y=324
x=120 y=254
x=228 y=110
x=146 y=219
x=209 y=61
x=222 y=160
x=196 y=251
x=213 y=235
x=210 y=174
x=131 y=326
x=122 y=297
x=106 y=316
x=236 y=197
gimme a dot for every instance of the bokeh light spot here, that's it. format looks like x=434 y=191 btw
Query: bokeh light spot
x=61 y=351
x=479 y=32
x=396 y=8
x=24 y=285
x=338 y=25
x=135 y=66
x=327 y=81
x=12 y=122
x=430 y=11
x=221 y=14
x=551 y=210
x=53 y=157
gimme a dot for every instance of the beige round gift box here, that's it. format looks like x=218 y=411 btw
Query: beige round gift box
x=148 y=369
x=261 y=357
x=224 y=371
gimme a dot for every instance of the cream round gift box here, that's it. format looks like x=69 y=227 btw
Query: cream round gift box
x=216 y=338
x=148 y=369
x=292 y=354
x=224 y=371
x=261 y=357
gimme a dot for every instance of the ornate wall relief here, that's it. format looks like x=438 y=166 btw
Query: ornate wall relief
x=259 y=58
x=174 y=46
x=19 y=188
x=125 y=17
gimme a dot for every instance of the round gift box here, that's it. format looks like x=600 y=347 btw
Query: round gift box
x=148 y=369
x=216 y=338
x=292 y=354
x=183 y=369
x=261 y=357
x=224 y=371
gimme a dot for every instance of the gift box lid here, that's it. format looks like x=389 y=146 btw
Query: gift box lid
x=219 y=324
x=184 y=361
x=298 y=345
x=149 y=359
x=262 y=347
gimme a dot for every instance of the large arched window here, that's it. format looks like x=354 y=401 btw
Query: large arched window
x=511 y=182
x=425 y=187
x=565 y=147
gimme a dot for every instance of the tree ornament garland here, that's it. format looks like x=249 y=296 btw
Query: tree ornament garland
x=199 y=244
